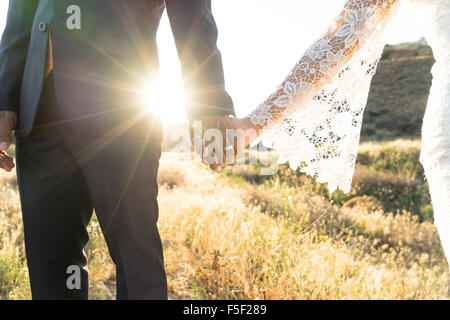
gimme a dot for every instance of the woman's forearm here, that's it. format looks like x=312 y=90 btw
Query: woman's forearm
x=324 y=59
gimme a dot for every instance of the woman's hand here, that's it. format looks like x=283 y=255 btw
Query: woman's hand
x=246 y=133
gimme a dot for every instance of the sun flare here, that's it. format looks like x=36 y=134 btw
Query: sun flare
x=163 y=99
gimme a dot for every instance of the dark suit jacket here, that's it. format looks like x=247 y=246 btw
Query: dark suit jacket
x=98 y=68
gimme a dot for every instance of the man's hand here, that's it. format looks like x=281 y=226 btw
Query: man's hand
x=208 y=134
x=220 y=138
x=8 y=121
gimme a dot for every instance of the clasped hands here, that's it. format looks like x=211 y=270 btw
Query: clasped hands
x=220 y=139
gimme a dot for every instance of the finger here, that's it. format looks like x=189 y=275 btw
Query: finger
x=5 y=137
x=209 y=157
x=213 y=161
x=4 y=155
x=204 y=153
x=6 y=165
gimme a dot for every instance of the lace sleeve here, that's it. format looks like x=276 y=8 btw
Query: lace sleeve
x=313 y=118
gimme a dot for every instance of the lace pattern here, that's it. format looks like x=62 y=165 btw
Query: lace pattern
x=313 y=119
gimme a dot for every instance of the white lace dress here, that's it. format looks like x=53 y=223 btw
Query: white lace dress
x=313 y=119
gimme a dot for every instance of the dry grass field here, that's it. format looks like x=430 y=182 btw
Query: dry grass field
x=233 y=234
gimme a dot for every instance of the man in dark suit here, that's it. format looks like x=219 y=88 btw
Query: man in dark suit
x=70 y=79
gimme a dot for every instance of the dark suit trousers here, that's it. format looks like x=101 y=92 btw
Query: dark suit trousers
x=63 y=176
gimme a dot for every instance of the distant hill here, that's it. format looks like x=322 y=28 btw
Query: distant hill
x=399 y=92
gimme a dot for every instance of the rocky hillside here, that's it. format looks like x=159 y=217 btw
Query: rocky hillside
x=399 y=92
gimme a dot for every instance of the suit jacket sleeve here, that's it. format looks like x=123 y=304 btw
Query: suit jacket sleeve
x=14 y=50
x=195 y=34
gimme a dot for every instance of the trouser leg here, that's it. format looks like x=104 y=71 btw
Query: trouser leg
x=121 y=174
x=56 y=209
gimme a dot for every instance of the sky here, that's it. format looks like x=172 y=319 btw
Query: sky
x=260 y=41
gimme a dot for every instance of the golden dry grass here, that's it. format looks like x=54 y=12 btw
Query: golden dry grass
x=231 y=241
